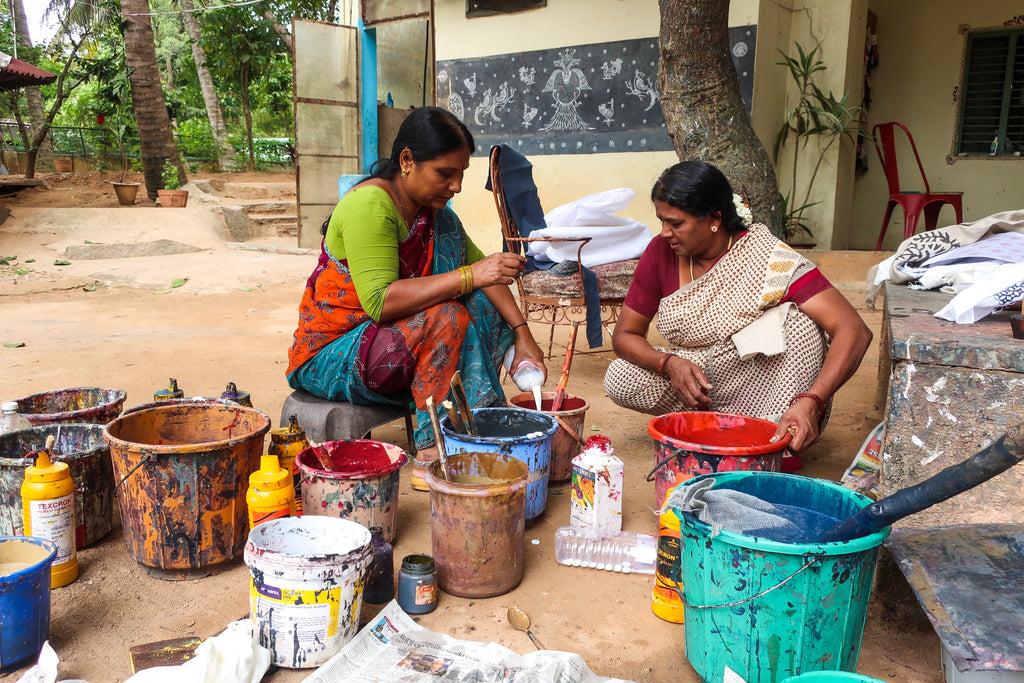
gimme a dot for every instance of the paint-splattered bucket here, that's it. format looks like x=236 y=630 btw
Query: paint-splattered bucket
x=701 y=442
x=178 y=402
x=81 y=404
x=306 y=586
x=477 y=522
x=363 y=486
x=523 y=434
x=87 y=455
x=831 y=677
x=567 y=442
x=24 y=598
x=182 y=473
x=768 y=609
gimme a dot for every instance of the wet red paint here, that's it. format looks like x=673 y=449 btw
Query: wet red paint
x=569 y=403
x=361 y=457
x=711 y=432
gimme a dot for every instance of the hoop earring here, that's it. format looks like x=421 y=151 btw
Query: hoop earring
x=404 y=174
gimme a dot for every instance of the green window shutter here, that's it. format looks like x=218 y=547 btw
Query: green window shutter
x=993 y=94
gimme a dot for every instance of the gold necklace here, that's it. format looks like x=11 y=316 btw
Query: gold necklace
x=727 y=248
x=401 y=205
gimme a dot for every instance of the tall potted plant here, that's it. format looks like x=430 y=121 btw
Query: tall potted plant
x=125 y=192
x=816 y=114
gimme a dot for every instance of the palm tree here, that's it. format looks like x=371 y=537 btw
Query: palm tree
x=156 y=142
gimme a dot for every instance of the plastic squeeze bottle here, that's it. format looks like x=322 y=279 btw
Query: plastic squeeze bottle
x=528 y=376
x=271 y=494
x=48 y=507
x=286 y=443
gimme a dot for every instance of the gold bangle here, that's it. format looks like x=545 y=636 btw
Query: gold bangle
x=465 y=280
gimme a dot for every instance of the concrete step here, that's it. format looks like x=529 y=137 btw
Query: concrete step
x=272 y=218
x=239 y=190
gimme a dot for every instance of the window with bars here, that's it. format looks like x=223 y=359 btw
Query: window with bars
x=992 y=104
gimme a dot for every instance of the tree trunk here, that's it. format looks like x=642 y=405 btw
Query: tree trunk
x=247 y=111
x=225 y=155
x=704 y=113
x=156 y=143
x=285 y=37
x=33 y=98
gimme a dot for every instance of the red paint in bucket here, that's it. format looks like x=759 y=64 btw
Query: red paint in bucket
x=701 y=442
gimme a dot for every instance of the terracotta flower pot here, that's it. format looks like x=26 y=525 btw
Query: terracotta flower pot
x=63 y=165
x=173 y=197
x=126 y=192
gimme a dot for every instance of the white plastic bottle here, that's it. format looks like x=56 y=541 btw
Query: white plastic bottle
x=11 y=420
x=626 y=552
x=528 y=376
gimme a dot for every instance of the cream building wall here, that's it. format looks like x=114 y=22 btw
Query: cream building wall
x=920 y=53
x=559 y=178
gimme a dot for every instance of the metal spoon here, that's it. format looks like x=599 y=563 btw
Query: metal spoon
x=520 y=621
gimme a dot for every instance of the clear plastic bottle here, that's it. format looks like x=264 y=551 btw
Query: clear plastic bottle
x=627 y=551
x=11 y=420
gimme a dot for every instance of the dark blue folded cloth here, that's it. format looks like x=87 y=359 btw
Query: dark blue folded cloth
x=524 y=205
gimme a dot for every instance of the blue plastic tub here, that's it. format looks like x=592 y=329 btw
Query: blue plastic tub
x=24 y=597
x=522 y=434
x=769 y=609
x=831 y=677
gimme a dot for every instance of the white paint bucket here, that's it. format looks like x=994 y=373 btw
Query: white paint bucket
x=306 y=586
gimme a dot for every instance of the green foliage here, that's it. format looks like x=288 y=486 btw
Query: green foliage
x=195 y=139
x=816 y=114
x=169 y=176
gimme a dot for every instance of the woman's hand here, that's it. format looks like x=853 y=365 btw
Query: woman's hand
x=689 y=382
x=527 y=349
x=801 y=421
x=498 y=269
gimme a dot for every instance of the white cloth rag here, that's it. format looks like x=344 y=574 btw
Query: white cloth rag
x=766 y=335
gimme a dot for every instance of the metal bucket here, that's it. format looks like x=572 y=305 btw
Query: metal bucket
x=82 y=404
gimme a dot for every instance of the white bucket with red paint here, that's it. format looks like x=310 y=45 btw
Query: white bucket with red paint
x=306 y=586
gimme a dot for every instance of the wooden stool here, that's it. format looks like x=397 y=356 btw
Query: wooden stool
x=326 y=420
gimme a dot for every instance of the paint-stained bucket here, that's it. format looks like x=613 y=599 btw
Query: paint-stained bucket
x=363 y=486
x=701 y=442
x=831 y=677
x=769 y=609
x=306 y=586
x=194 y=400
x=182 y=473
x=477 y=522
x=566 y=443
x=523 y=434
x=87 y=455
x=81 y=404
x=24 y=598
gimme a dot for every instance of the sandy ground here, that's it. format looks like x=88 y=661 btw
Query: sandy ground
x=119 y=323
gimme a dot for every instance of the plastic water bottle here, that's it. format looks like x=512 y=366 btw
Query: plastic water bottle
x=528 y=376
x=11 y=420
x=626 y=552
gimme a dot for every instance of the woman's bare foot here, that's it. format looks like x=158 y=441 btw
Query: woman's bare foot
x=418 y=477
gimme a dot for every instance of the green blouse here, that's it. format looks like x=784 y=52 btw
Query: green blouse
x=366 y=228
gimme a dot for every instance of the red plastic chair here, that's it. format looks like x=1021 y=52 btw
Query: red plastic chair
x=913 y=203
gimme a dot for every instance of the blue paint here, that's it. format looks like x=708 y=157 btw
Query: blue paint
x=24 y=598
x=368 y=93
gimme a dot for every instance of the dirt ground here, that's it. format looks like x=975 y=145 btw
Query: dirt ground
x=233 y=322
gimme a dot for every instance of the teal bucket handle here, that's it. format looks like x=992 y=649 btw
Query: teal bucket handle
x=810 y=560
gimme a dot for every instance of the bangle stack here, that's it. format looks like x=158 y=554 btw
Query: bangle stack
x=465 y=281
x=814 y=397
x=661 y=364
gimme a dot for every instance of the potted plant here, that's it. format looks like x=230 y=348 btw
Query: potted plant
x=816 y=114
x=171 y=194
x=125 y=192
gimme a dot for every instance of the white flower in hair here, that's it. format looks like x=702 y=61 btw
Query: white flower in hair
x=742 y=210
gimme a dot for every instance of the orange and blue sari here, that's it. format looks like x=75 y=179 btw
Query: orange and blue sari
x=341 y=354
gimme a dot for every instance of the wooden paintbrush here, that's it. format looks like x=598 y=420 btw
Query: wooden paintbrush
x=458 y=426
x=570 y=348
x=438 y=437
x=462 y=403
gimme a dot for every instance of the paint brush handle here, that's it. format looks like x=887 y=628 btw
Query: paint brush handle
x=435 y=424
x=462 y=403
x=570 y=348
x=453 y=417
x=322 y=455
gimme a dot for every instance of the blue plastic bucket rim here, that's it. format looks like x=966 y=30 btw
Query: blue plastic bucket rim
x=49 y=546
x=808 y=550
x=547 y=433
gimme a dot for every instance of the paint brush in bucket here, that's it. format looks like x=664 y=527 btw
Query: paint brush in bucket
x=322 y=455
x=462 y=404
x=438 y=437
x=453 y=417
x=570 y=348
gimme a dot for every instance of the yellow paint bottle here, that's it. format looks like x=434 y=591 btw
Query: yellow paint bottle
x=286 y=443
x=666 y=602
x=270 y=495
x=48 y=507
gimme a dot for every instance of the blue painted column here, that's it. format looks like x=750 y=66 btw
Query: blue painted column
x=368 y=94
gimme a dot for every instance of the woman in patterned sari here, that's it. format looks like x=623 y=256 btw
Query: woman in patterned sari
x=401 y=298
x=754 y=328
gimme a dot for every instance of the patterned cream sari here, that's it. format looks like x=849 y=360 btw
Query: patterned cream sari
x=700 y=319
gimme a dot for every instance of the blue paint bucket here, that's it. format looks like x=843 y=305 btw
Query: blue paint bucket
x=831 y=677
x=770 y=609
x=24 y=597
x=522 y=434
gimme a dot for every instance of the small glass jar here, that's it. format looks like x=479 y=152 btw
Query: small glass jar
x=380 y=576
x=417 y=584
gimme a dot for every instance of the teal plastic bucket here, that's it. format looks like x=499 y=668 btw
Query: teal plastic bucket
x=25 y=564
x=770 y=610
x=831 y=677
x=522 y=434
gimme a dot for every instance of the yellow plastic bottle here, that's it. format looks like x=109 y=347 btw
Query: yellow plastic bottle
x=48 y=507
x=666 y=602
x=270 y=495
x=286 y=443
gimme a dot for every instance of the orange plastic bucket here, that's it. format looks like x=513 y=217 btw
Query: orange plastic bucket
x=701 y=442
